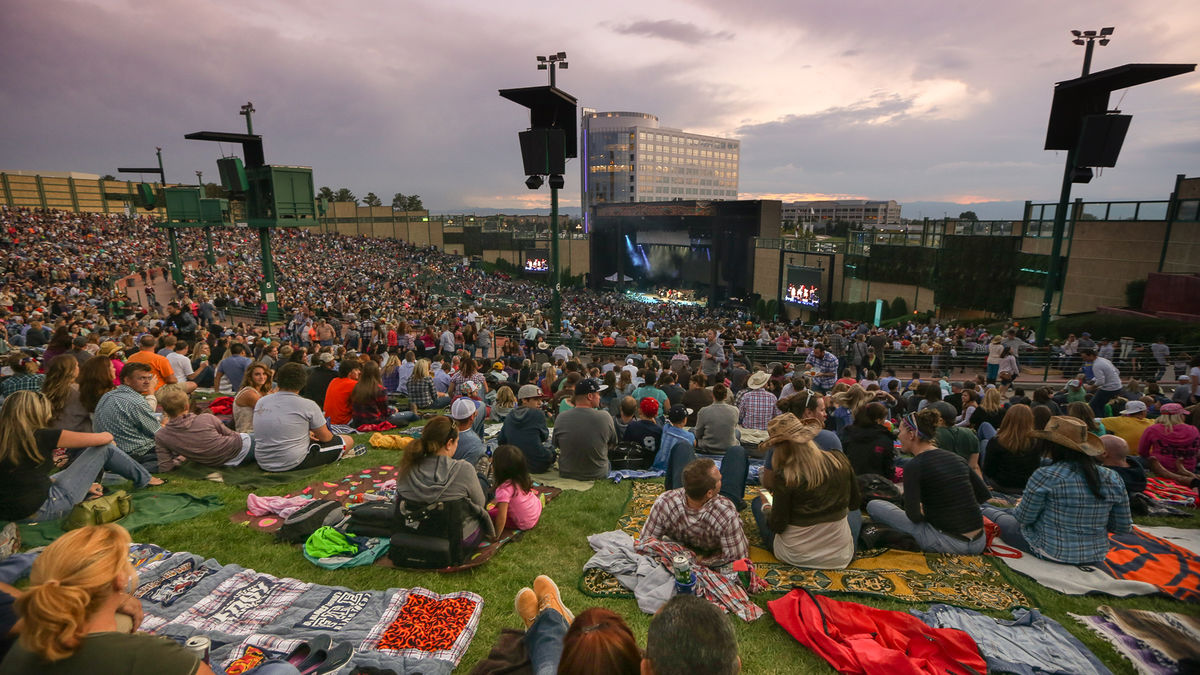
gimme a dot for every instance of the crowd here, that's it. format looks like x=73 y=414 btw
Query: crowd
x=381 y=334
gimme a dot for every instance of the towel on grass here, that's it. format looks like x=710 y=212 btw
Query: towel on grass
x=149 y=508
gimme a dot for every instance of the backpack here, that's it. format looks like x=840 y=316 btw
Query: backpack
x=629 y=455
x=318 y=513
x=106 y=509
x=374 y=519
x=433 y=536
x=874 y=486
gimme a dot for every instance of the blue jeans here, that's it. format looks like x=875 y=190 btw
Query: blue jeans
x=544 y=641
x=735 y=467
x=274 y=667
x=404 y=417
x=1010 y=529
x=1100 y=399
x=69 y=486
x=928 y=537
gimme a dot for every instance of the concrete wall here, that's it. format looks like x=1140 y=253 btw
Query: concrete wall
x=1104 y=257
x=918 y=298
x=68 y=192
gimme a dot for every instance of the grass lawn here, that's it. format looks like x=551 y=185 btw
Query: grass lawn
x=557 y=547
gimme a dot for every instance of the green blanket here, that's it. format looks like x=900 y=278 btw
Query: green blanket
x=248 y=476
x=149 y=508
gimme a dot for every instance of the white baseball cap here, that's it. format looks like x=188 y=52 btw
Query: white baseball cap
x=462 y=409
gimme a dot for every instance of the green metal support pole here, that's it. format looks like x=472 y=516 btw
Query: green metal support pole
x=268 y=268
x=209 y=255
x=1172 y=210
x=176 y=263
x=1060 y=222
x=555 y=277
x=162 y=174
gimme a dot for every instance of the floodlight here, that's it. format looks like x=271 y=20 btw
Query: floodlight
x=1107 y=31
x=563 y=65
x=1076 y=33
x=542 y=66
x=1089 y=33
x=541 y=58
x=1104 y=42
x=562 y=55
x=1078 y=42
x=556 y=181
x=533 y=182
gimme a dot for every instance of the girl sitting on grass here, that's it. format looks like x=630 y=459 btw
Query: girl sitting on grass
x=517 y=504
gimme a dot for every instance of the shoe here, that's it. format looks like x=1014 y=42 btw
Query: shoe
x=318 y=647
x=548 y=596
x=334 y=660
x=526 y=604
x=357 y=451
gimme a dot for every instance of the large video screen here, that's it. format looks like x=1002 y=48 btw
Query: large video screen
x=669 y=258
x=804 y=286
x=537 y=260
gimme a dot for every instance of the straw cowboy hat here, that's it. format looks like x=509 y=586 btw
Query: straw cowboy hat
x=788 y=427
x=1071 y=432
x=758 y=380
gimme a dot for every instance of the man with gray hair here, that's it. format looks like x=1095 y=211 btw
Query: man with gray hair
x=689 y=636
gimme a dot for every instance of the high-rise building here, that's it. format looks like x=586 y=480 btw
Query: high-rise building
x=630 y=158
x=868 y=213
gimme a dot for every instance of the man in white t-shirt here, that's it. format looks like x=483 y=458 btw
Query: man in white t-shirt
x=290 y=431
x=182 y=365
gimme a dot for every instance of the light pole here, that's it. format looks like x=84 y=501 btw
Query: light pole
x=558 y=59
x=209 y=256
x=1087 y=39
x=551 y=62
x=248 y=110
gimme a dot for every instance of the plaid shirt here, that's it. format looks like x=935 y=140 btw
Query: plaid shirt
x=825 y=364
x=126 y=415
x=756 y=407
x=21 y=382
x=420 y=392
x=1063 y=521
x=714 y=529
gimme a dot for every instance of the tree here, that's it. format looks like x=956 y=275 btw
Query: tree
x=413 y=203
x=399 y=201
x=108 y=176
x=345 y=195
x=326 y=193
x=968 y=215
x=899 y=307
x=372 y=200
x=213 y=191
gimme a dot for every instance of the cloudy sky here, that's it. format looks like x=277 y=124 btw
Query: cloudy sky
x=913 y=101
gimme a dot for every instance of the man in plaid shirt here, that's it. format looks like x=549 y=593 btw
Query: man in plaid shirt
x=825 y=365
x=756 y=406
x=697 y=516
x=125 y=413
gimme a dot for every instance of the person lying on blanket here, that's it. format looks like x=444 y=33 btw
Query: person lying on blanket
x=1069 y=507
x=699 y=517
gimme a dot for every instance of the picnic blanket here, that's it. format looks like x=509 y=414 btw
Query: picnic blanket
x=250 y=616
x=552 y=479
x=247 y=476
x=1170 y=492
x=1156 y=643
x=1145 y=561
x=149 y=508
x=369 y=484
x=964 y=581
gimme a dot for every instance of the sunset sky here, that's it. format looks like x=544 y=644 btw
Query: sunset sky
x=913 y=101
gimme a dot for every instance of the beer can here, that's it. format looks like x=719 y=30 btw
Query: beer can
x=682 y=568
x=200 y=646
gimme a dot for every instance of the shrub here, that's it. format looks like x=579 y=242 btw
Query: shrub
x=899 y=307
x=1135 y=292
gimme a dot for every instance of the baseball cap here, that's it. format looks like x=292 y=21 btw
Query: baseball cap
x=325 y=358
x=679 y=413
x=529 y=391
x=648 y=405
x=462 y=409
x=1133 y=408
x=589 y=386
x=1073 y=383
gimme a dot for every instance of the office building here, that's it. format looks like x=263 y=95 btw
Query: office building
x=630 y=158
x=820 y=214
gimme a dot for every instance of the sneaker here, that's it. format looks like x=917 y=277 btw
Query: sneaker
x=526 y=604
x=337 y=657
x=357 y=451
x=548 y=596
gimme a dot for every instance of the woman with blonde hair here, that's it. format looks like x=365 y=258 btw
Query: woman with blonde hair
x=27 y=446
x=1171 y=446
x=390 y=373
x=61 y=389
x=846 y=405
x=506 y=401
x=990 y=410
x=79 y=614
x=805 y=522
x=256 y=383
x=1011 y=457
x=421 y=393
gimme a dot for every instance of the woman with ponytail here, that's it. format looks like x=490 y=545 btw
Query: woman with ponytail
x=429 y=473
x=942 y=493
x=79 y=614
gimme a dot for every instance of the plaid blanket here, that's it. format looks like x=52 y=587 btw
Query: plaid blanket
x=251 y=616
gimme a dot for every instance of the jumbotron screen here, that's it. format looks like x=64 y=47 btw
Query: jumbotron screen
x=804 y=286
x=537 y=261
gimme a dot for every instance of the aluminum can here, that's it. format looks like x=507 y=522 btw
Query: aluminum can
x=200 y=646
x=682 y=568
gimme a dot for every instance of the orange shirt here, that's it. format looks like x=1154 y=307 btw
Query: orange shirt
x=337 y=400
x=159 y=365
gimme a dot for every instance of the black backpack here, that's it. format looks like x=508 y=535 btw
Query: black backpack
x=318 y=513
x=629 y=455
x=373 y=519
x=431 y=536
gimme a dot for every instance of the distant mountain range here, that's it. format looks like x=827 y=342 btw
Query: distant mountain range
x=984 y=210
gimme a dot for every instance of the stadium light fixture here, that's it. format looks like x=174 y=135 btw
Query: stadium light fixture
x=533 y=182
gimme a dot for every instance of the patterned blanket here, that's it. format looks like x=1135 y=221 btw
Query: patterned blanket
x=1156 y=643
x=965 y=581
x=250 y=616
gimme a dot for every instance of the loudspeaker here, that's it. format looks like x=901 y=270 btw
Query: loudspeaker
x=233 y=174
x=543 y=151
x=1101 y=138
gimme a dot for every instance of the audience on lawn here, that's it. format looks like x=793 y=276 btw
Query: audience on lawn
x=319 y=377
x=678 y=445
x=716 y=423
x=125 y=414
x=814 y=491
x=290 y=431
x=1171 y=446
x=645 y=431
x=256 y=383
x=429 y=473
x=62 y=390
x=809 y=407
x=1011 y=456
x=1129 y=423
x=959 y=440
x=32 y=490
x=584 y=434
x=203 y=439
x=868 y=444
x=1069 y=507
x=337 y=396
x=159 y=366
x=698 y=516
x=1116 y=457
x=233 y=367
x=941 y=493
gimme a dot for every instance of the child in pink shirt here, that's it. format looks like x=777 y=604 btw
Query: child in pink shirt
x=517 y=504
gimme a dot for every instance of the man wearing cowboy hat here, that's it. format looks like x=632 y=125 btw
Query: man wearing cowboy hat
x=757 y=405
x=1068 y=508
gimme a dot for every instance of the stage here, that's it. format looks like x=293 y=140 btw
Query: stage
x=670 y=298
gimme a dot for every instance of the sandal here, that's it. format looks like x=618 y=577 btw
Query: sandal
x=154 y=485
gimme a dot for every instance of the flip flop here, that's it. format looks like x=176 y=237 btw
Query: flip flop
x=164 y=482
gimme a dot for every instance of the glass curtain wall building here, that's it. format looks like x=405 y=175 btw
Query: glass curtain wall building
x=630 y=158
